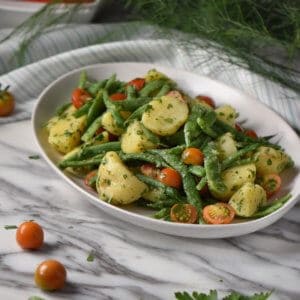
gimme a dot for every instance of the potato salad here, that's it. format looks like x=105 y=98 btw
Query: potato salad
x=146 y=141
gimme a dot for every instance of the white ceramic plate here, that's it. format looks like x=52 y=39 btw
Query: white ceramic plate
x=259 y=117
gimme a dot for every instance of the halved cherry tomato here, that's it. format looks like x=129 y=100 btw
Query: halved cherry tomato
x=50 y=275
x=207 y=100
x=192 y=156
x=7 y=102
x=89 y=176
x=30 y=235
x=170 y=177
x=80 y=97
x=238 y=127
x=183 y=213
x=111 y=136
x=271 y=184
x=118 y=97
x=251 y=133
x=219 y=213
x=150 y=170
x=137 y=83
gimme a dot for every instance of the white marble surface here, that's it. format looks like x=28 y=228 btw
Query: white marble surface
x=130 y=262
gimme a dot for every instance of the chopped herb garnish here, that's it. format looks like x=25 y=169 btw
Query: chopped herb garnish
x=34 y=157
x=8 y=227
x=90 y=257
x=35 y=298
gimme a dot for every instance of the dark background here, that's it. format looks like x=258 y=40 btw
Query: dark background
x=112 y=11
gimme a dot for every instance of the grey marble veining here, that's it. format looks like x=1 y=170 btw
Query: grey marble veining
x=130 y=262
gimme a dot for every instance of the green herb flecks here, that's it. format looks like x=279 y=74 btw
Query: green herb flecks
x=9 y=227
x=34 y=157
x=90 y=257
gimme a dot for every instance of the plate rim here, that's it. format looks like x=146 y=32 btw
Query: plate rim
x=114 y=210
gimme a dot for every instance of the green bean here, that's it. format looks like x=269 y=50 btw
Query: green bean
x=191 y=128
x=201 y=183
x=162 y=214
x=96 y=160
x=117 y=118
x=145 y=156
x=213 y=169
x=239 y=162
x=175 y=139
x=137 y=114
x=93 y=150
x=197 y=170
x=201 y=141
x=89 y=133
x=131 y=92
x=164 y=90
x=153 y=138
x=133 y=103
x=61 y=109
x=151 y=87
x=171 y=192
x=96 y=108
x=83 y=110
x=94 y=88
x=235 y=156
x=205 y=123
x=82 y=79
x=110 y=81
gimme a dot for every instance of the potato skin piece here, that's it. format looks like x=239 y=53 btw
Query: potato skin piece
x=134 y=140
x=247 y=199
x=166 y=114
x=116 y=184
x=269 y=160
x=234 y=178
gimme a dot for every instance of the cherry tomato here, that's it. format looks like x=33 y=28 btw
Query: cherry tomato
x=205 y=191
x=192 y=156
x=118 y=97
x=50 y=275
x=80 y=97
x=150 y=170
x=251 y=133
x=183 y=213
x=88 y=178
x=137 y=83
x=30 y=235
x=219 y=213
x=170 y=177
x=206 y=100
x=111 y=136
x=7 y=102
x=238 y=127
x=271 y=184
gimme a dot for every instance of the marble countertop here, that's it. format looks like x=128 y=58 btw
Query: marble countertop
x=130 y=262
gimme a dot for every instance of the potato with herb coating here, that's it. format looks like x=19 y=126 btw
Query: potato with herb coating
x=116 y=184
x=166 y=114
x=227 y=114
x=226 y=145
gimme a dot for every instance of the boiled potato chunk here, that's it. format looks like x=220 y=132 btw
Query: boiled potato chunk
x=109 y=124
x=154 y=195
x=269 y=160
x=166 y=114
x=154 y=75
x=227 y=114
x=226 y=145
x=116 y=184
x=247 y=199
x=234 y=178
x=135 y=139
x=65 y=133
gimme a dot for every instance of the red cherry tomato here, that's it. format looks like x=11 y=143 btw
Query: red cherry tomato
x=111 y=136
x=118 y=97
x=150 y=170
x=170 y=177
x=271 y=184
x=183 y=213
x=137 y=83
x=50 y=275
x=207 y=100
x=7 y=102
x=88 y=180
x=192 y=156
x=238 y=127
x=251 y=133
x=219 y=213
x=80 y=97
x=30 y=235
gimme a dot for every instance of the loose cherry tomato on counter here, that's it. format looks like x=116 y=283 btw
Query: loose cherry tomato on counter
x=80 y=97
x=183 y=213
x=137 y=83
x=219 y=213
x=206 y=100
x=271 y=184
x=170 y=177
x=150 y=170
x=89 y=179
x=118 y=97
x=192 y=156
x=30 y=235
x=251 y=133
x=50 y=275
x=7 y=102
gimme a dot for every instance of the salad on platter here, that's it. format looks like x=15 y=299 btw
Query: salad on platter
x=148 y=142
